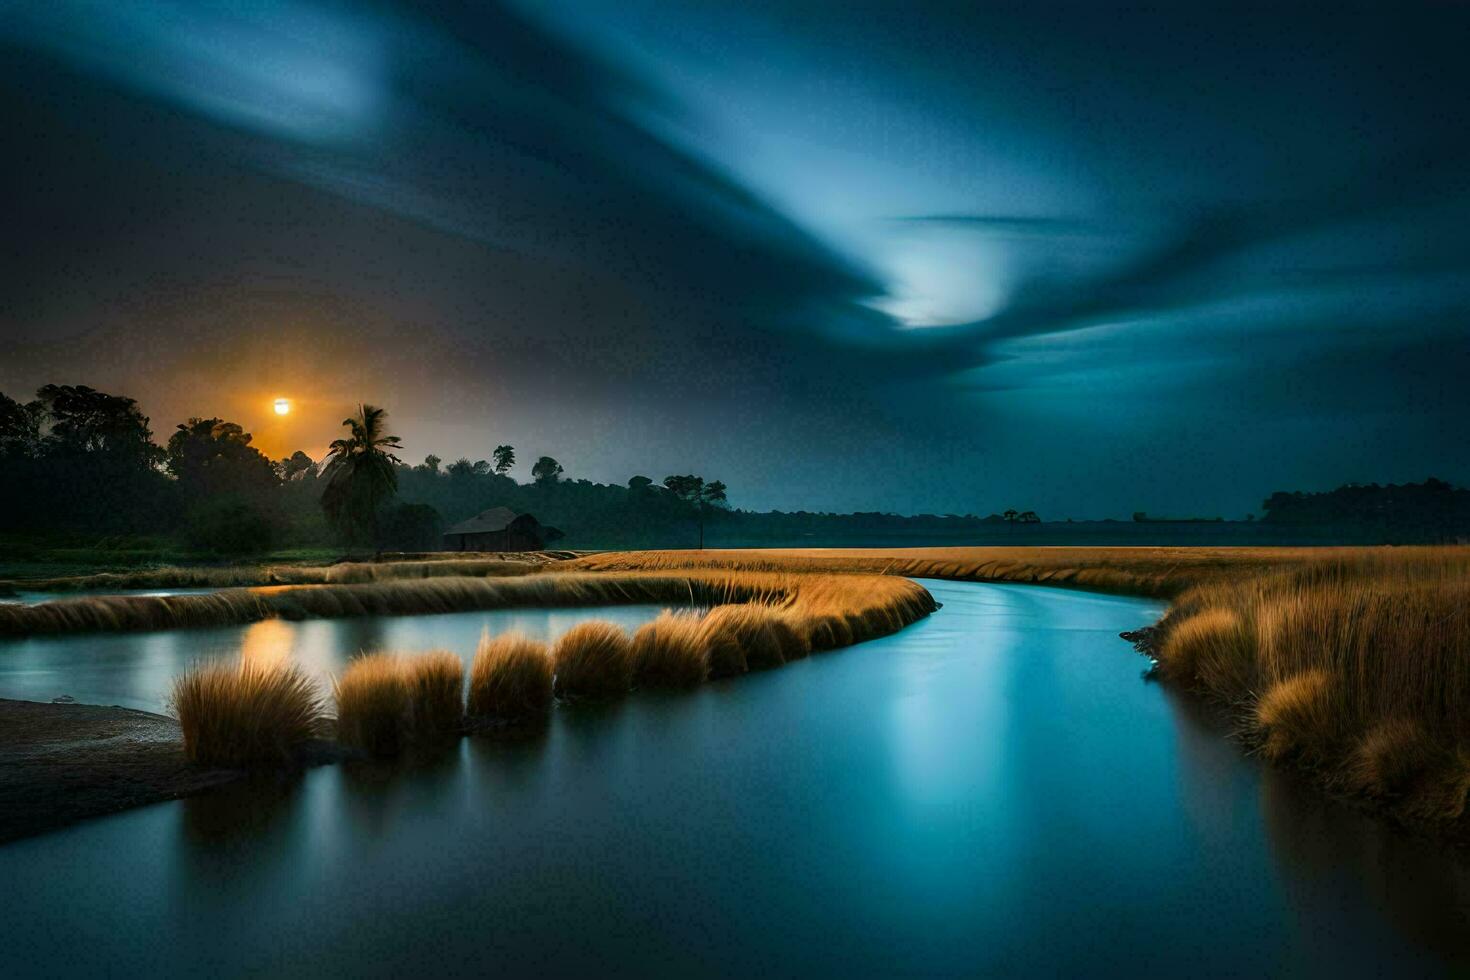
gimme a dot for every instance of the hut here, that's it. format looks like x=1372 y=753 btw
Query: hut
x=499 y=529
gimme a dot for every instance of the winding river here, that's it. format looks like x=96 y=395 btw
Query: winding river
x=996 y=789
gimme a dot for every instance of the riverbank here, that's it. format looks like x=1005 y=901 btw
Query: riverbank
x=60 y=763
x=345 y=571
x=1349 y=664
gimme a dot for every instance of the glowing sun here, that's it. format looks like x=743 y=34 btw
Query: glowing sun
x=283 y=406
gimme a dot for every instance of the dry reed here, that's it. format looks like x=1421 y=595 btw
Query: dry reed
x=436 y=690
x=671 y=651
x=240 y=714
x=592 y=660
x=510 y=679
x=1358 y=667
x=374 y=705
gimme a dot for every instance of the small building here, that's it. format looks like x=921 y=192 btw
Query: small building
x=499 y=529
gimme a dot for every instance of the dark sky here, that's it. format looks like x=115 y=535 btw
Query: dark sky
x=911 y=257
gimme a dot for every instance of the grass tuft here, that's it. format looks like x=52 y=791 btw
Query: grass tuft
x=1297 y=716
x=671 y=651
x=748 y=627
x=243 y=714
x=592 y=660
x=374 y=705
x=510 y=679
x=436 y=690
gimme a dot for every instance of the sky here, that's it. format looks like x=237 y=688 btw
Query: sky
x=1079 y=259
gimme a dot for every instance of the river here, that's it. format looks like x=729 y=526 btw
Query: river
x=995 y=789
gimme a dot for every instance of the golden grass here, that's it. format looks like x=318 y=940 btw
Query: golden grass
x=671 y=651
x=436 y=690
x=1357 y=666
x=592 y=660
x=1153 y=572
x=240 y=714
x=374 y=704
x=510 y=679
x=748 y=627
x=759 y=619
x=338 y=573
x=872 y=599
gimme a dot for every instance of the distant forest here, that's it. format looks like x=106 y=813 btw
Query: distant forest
x=82 y=466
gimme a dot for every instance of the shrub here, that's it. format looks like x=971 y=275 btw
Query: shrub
x=374 y=705
x=510 y=679
x=593 y=660
x=244 y=714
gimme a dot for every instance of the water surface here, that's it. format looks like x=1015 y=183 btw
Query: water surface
x=994 y=790
x=134 y=670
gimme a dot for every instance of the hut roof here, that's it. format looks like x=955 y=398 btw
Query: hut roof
x=494 y=519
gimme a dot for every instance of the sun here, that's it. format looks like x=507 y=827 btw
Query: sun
x=283 y=406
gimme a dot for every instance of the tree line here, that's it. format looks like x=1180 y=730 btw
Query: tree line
x=81 y=462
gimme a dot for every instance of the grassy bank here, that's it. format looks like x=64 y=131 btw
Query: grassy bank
x=867 y=606
x=447 y=564
x=1356 y=668
x=243 y=715
x=1154 y=572
x=1350 y=663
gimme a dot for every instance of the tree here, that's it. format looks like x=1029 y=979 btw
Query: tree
x=212 y=458
x=639 y=484
x=481 y=468
x=296 y=467
x=84 y=420
x=1029 y=517
x=546 y=470
x=698 y=494
x=20 y=428
x=505 y=458
x=360 y=473
x=1011 y=516
x=461 y=468
x=430 y=465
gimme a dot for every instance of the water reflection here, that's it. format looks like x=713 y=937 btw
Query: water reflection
x=1326 y=850
x=136 y=670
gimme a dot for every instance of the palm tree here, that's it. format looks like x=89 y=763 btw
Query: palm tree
x=360 y=473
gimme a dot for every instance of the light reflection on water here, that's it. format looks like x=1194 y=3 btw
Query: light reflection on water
x=994 y=790
x=135 y=669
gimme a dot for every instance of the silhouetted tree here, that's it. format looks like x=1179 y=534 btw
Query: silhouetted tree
x=296 y=467
x=360 y=473
x=481 y=468
x=1011 y=515
x=212 y=457
x=546 y=470
x=505 y=458
x=20 y=428
x=698 y=494
x=430 y=464
x=461 y=468
x=639 y=484
x=84 y=420
x=1028 y=517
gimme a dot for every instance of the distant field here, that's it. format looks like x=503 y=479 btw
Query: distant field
x=1147 y=571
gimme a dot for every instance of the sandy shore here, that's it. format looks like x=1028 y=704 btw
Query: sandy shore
x=60 y=763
